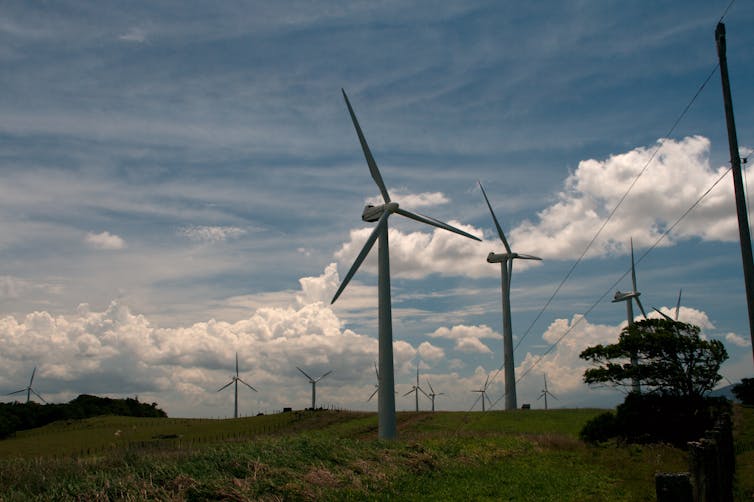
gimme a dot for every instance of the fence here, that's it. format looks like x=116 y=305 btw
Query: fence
x=712 y=466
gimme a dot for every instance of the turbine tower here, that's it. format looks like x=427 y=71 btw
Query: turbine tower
x=314 y=381
x=483 y=391
x=545 y=393
x=416 y=389
x=29 y=390
x=432 y=394
x=628 y=298
x=234 y=380
x=506 y=270
x=386 y=397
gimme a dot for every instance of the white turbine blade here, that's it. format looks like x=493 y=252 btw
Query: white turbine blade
x=323 y=376
x=376 y=371
x=494 y=218
x=36 y=394
x=236 y=363
x=249 y=386
x=633 y=268
x=435 y=223
x=31 y=380
x=678 y=304
x=641 y=307
x=307 y=376
x=409 y=392
x=362 y=255
x=16 y=392
x=373 y=393
x=422 y=391
x=663 y=314
x=367 y=153
x=430 y=386
x=528 y=257
x=226 y=385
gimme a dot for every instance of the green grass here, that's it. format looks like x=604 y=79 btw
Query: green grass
x=522 y=455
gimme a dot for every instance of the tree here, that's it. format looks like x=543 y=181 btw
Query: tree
x=744 y=391
x=673 y=360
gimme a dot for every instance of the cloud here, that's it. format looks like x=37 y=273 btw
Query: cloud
x=203 y=233
x=429 y=352
x=675 y=178
x=737 y=340
x=104 y=240
x=135 y=35
x=467 y=338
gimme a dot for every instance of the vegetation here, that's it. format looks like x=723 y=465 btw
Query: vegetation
x=744 y=391
x=21 y=416
x=672 y=359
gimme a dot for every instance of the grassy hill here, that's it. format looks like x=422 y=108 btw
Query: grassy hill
x=325 y=455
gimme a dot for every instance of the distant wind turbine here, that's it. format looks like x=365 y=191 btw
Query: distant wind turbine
x=483 y=392
x=386 y=397
x=628 y=298
x=29 y=390
x=377 y=385
x=416 y=389
x=234 y=380
x=545 y=393
x=506 y=269
x=314 y=381
x=432 y=394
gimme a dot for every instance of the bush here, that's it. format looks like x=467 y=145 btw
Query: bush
x=599 y=429
x=744 y=391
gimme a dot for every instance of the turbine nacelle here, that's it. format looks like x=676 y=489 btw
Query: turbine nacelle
x=500 y=257
x=622 y=297
x=373 y=213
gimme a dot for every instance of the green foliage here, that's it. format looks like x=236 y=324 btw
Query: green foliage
x=744 y=391
x=600 y=429
x=672 y=359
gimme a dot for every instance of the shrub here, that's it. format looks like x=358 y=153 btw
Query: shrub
x=744 y=391
x=599 y=429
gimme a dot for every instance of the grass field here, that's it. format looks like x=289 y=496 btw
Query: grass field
x=520 y=455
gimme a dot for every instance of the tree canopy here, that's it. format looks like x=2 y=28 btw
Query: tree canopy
x=673 y=359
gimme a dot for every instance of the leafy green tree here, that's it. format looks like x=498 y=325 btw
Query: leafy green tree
x=673 y=360
x=744 y=391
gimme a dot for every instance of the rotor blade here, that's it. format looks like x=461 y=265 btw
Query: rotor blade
x=430 y=386
x=376 y=371
x=488 y=398
x=528 y=257
x=633 y=268
x=435 y=223
x=323 y=376
x=307 y=376
x=249 y=386
x=422 y=391
x=37 y=394
x=16 y=392
x=486 y=382
x=226 y=385
x=368 y=154
x=541 y=396
x=373 y=393
x=663 y=314
x=31 y=380
x=553 y=396
x=494 y=218
x=678 y=305
x=362 y=255
x=409 y=392
x=236 y=363
x=641 y=307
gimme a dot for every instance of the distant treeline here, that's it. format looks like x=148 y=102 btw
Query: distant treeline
x=20 y=416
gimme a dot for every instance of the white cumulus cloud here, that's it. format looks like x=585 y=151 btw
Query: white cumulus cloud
x=104 y=240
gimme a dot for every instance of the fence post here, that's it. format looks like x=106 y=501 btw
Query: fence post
x=703 y=466
x=673 y=486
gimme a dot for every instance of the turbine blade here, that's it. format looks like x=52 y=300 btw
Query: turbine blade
x=226 y=385
x=323 y=376
x=486 y=382
x=422 y=391
x=553 y=396
x=373 y=393
x=488 y=398
x=362 y=255
x=16 y=392
x=407 y=393
x=236 y=363
x=249 y=386
x=376 y=371
x=494 y=218
x=307 y=376
x=540 y=396
x=641 y=307
x=430 y=386
x=528 y=257
x=435 y=223
x=678 y=304
x=367 y=153
x=37 y=394
x=633 y=268
x=663 y=314
x=31 y=380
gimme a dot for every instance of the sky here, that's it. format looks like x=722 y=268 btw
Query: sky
x=181 y=182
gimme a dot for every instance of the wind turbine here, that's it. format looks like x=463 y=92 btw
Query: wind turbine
x=432 y=395
x=628 y=298
x=545 y=392
x=416 y=389
x=377 y=386
x=483 y=391
x=314 y=381
x=234 y=380
x=386 y=397
x=506 y=270
x=29 y=391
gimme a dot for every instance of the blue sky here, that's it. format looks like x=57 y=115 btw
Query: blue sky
x=181 y=180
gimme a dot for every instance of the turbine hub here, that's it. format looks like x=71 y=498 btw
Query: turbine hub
x=373 y=213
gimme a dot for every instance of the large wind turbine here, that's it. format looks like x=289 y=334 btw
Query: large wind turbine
x=386 y=397
x=234 y=380
x=506 y=270
x=483 y=391
x=432 y=394
x=314 y=381
x=545 y=393
x=416 y=389
x=628 y=298
x=29 y=391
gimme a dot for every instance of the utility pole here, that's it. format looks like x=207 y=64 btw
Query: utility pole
x=738 y=186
